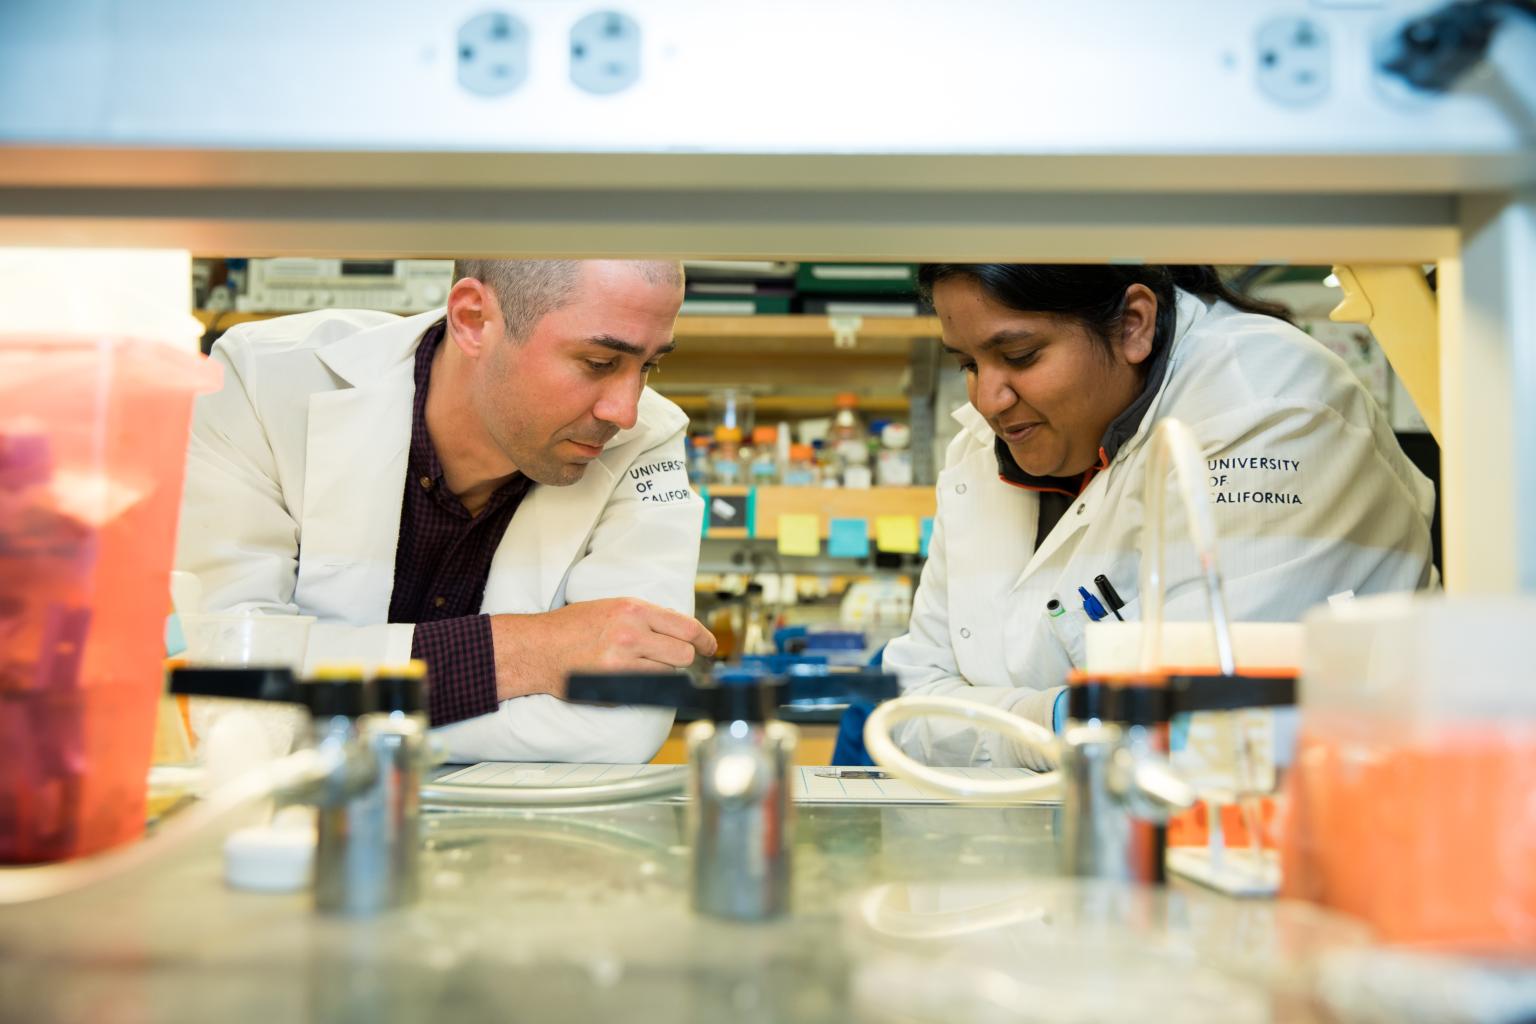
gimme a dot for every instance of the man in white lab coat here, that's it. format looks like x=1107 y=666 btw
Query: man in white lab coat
x=489 y=486
x=1068 y=370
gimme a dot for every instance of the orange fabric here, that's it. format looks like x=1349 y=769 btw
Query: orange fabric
x=1094 y=471
x=1037 y=490
x=1083 y=486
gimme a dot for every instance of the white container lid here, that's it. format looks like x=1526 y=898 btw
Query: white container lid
x=143 y=294
x=1422 y=658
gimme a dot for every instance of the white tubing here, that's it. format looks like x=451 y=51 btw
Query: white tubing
x=882 y=748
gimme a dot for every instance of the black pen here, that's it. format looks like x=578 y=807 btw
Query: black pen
x=1112 y=599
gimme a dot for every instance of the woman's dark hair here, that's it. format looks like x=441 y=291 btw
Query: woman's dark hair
x=1091 y=294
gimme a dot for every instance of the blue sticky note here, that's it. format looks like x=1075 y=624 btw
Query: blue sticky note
x=922 y=547
x=848 y=538
x=175 y=639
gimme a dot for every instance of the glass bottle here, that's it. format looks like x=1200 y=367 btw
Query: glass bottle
x=894 y=465
x=757 y=630
x=763 y=469
x=802 y=471
x=857 y=473
x=699 y=460
x=826 y=464
x=725 y=622
x=726 y=461
x=847 y=434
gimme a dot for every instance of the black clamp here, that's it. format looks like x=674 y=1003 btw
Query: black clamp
x=1157 y=699
x=348 y=697
x=731 y=697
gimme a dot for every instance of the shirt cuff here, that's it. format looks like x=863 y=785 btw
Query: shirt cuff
x=461 y=667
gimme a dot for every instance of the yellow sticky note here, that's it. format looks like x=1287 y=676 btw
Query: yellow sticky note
x=800 y=535
x=898 y=534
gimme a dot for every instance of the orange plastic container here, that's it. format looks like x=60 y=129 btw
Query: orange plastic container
x=1410 y=800
x=93 y=438
x=1430 y=838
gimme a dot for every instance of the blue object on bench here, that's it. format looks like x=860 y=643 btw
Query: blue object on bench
x=849 y=748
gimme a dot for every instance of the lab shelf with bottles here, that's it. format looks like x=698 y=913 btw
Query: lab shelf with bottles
x=792 y=365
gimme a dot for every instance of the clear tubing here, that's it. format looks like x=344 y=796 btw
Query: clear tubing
x=1173 y=442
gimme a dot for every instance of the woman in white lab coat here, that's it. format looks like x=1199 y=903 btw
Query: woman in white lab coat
x=1068 y=369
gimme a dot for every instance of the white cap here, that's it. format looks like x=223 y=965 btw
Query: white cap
x=896 y=435
x=142 y=294
x=268 y=858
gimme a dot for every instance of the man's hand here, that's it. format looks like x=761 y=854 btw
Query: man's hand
x=535 y=653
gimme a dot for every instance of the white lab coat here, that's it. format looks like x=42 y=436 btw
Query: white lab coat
x=295 y=478
x=1251 y=388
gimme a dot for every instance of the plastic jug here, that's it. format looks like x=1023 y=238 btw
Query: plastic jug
x=1410 y=800
x=93 y=437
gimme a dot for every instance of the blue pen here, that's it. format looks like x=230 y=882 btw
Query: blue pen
x=1091 y=605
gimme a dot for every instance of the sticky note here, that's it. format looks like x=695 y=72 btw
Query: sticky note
x=897 y=534
x=927 y=536
x=799 y=535
x=848 y=538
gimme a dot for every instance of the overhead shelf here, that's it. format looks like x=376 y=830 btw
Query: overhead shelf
x=792 y=327
x=792 y=406
x=797 y=353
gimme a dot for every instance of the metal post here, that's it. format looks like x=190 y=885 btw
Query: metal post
x=1488 y=382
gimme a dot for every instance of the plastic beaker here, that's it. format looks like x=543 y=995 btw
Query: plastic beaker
x=266 y=641
x=93 y=438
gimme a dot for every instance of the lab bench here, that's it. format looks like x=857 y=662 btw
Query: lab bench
x=945 y=913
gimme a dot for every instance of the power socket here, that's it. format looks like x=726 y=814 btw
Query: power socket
x=492 y=53
x=1293 y=61
x=605 y=52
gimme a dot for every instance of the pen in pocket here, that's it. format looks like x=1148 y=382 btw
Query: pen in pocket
x=1111 y=596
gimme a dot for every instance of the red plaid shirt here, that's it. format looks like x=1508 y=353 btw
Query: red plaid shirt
x=441 y=564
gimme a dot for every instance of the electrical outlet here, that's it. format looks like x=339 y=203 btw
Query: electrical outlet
x=493 y=54
x=1293 y=59
x=605 y=52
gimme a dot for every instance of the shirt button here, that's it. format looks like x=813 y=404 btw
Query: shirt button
x=1080 y=509
x=426 y=483
x=959 y=488
x=438 y=602
x=965 y=634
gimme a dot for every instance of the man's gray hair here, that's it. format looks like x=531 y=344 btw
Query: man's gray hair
x=530 y=290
